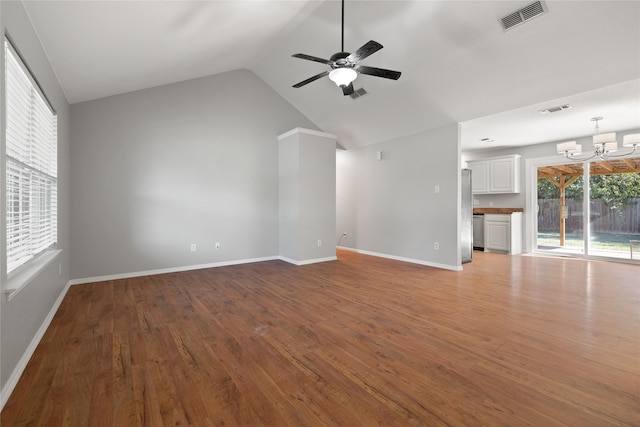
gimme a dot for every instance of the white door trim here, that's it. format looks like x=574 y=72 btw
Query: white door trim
x=531 y=200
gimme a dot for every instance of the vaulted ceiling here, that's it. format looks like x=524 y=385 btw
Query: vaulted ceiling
x=457 y=62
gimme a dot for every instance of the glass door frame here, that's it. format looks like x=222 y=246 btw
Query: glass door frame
x=531 y=204
x=531 y=208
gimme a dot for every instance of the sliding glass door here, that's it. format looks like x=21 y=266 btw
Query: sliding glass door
x=589 y=209
x=614 y=205
x=561 y=208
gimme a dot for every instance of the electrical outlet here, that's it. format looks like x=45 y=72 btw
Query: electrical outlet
x=437 y=189
x=193 y=247
x=436 y=246
x=217 y=245
x=319 y=243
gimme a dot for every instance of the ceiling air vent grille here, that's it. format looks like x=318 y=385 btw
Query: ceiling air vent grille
x=526 y=13
x=531 y=11
x=555 y=109
x=358 y=93
x=512 y=20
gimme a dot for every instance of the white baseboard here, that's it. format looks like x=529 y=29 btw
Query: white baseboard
x=168 y=270
x=307 y=261
x=22 y=363
x=411 y=260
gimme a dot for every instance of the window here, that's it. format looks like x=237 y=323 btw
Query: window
x=31 y=165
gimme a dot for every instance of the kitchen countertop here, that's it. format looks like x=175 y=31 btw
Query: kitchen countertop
x=507 y=211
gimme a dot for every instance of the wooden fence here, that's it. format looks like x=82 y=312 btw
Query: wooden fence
x=603 y=219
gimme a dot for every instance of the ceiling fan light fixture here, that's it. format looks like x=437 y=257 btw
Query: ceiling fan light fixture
x=345 y=66
x=343 y=76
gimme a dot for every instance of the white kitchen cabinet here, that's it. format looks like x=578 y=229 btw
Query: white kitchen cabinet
x=504 y=174
x=479 y=176
x=497 y=175
x=503 y=233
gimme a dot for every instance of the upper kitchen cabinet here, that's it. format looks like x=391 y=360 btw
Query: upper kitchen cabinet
x=497 y=175
x=479 y=176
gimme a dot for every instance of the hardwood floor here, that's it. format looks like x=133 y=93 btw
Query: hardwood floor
x=362 y=341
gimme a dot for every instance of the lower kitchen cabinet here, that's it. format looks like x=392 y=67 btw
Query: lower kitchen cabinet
x=503 y=233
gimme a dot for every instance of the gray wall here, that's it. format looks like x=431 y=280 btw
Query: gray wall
x=317 y=197
x=289 y=189
x=390 y=207
x=307 y=196
x=156 y=170
x=22 y=317
x=345 y=198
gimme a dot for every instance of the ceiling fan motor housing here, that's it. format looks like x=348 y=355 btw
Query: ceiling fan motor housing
x=340 y=60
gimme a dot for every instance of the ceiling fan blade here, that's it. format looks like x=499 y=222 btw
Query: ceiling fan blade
x=367 y=49
x=379 y=72
x=311 y=58
x=347 y=90
x=311 y=79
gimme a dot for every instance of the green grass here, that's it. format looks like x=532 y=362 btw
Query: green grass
x=574 y=239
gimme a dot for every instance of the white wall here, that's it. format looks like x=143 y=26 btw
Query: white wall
x=389 y=206
x=193 y=162
x=22 y=317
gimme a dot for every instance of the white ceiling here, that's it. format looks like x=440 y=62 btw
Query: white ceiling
x=618 y=105
x=101 y=48
x=458 y=64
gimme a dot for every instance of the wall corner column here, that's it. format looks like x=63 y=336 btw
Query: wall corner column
x=307 y=196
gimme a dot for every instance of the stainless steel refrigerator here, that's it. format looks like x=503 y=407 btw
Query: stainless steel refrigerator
x=466 y=228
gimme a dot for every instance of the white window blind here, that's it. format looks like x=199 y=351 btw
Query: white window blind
x=31 y=169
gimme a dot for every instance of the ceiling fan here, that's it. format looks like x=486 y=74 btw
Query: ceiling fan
x=345 y=66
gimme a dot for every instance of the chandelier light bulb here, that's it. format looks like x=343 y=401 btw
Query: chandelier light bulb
x=604 y=138
x=610 y=147
x=631 y=140
x=567 y=147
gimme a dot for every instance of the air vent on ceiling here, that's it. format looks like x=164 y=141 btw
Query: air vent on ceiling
x=555 y=109
x=526 y=13
x=358 y=93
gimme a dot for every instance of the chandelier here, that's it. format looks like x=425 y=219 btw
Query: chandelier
x=604 y=144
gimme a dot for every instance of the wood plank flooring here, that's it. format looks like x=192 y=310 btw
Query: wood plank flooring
x=362 y=341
